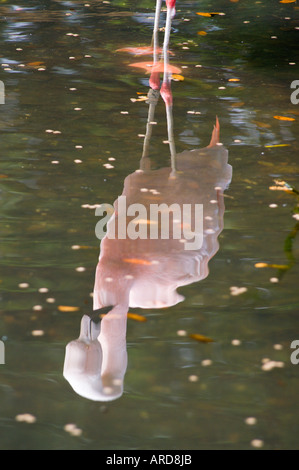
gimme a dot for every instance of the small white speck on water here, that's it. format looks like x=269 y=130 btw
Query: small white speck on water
x=77 y=161
x=257 y=443
x=124 y=112
x=206 y=362
x=273 y=206
x=19 y=49
x=77 y=109
x=73 y=89
x=111 y=159
x=251 y=420
x=37 y=308
x=269 y=365
x=43 y=290
x=236 y=342
x=72 y=57
x=181 y=333
x=25 y=418
x=73 y=430
x=237 y=141
x=75 y=247
x=221 y=88
x=234 y=290
x=23 y=285
x=79 y=146
x=193 y=378
x=143 y=190
x=50 y=300
x=37 y=333
x=278 y=347
x=80 y=269
x=274 y=279
x=55 y=162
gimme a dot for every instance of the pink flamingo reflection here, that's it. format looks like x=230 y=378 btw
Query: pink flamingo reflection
x=146 y=272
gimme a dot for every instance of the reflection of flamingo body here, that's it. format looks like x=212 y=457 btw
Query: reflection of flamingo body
x=146 y=272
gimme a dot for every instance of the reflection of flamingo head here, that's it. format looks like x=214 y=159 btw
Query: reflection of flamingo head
x=96 y=362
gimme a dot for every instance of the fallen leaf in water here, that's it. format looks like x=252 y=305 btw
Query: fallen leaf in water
x=176 y=76
x=67 y=308
x=35 y=64
x=202 y=33
x=284 y=118
x=268 y=265
x=276 y=145
x=233 y=79
x=136 y=317
x=201 y=338
x=207 y=15
x=237 y=104
x=261 y=124
x=287 y=1
x=3 y=176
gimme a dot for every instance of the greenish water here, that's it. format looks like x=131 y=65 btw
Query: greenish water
x=171 y=399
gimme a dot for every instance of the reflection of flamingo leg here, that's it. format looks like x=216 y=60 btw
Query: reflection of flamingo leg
x=156 y=30
x=166 y=85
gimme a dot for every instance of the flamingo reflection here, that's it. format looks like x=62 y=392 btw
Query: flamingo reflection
x=146 y=272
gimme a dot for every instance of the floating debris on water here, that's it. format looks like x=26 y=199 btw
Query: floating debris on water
x=251 y=421
x=25 y=418
x=236 y=342
x=268 y=364
x=234 y=290
x=258 y=443
x=206 y=362
x=72 y=429
x=23 y=285
x=193 y=378
x=37 y=333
